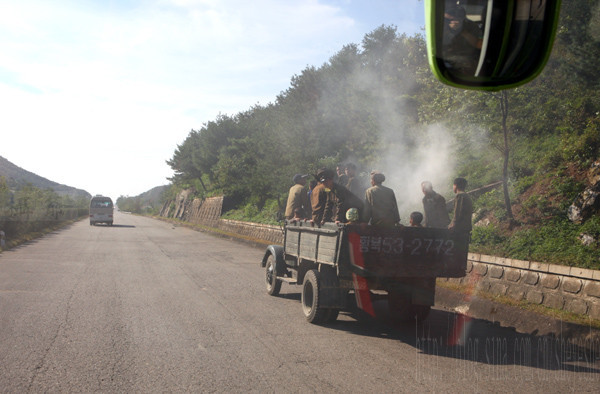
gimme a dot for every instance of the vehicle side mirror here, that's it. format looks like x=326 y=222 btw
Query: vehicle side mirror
x=489 y=44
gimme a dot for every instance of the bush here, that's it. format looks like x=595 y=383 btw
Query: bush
x=581 y=147
x=488 y=237
x=557 y=242
x=524 y=183
x=250 y=213
x=492 y=201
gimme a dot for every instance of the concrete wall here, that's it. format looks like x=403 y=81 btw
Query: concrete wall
x=572 y=289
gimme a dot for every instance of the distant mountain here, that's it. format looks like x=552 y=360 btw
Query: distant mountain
x=153 y=196
x=147 y=202
x=17 y=177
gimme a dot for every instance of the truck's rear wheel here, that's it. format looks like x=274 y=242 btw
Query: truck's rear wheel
x=403 y=311
x=311 y=301
x=273 y=284
x=399 y=306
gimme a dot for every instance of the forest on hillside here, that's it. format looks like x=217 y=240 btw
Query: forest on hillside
x=27 y=210
x=377 y=105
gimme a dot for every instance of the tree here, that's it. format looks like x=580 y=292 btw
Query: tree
x=505 y=154
x=4 y=194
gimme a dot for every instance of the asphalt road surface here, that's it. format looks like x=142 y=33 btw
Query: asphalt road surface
x=145 y=306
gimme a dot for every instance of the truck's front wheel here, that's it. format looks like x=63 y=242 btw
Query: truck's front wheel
x=311 y=301
x=273 y=284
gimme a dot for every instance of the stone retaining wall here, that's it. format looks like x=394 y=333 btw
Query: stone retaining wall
x=194 y=210
x=572 y=289
x=261 y=232
x=206 y=211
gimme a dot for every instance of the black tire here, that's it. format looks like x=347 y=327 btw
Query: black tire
x=273 y=284
x=311 y=300
x=330 y=293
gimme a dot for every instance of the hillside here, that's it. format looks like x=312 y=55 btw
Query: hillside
x=17 y=177
x=153 y=196
x=147 y=202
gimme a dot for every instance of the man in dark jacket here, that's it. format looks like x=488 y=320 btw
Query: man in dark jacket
x=354 y=183
x=463 y=208
x=297 y=197
x=381 y=208
x=330 y=201
x=320 y=195
x=434 y=206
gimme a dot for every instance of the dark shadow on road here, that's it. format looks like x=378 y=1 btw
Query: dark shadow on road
x=453 y=335
x=290 y=296
x=115 y=225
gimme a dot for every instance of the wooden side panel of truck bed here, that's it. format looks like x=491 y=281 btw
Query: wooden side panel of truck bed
x=318 y=244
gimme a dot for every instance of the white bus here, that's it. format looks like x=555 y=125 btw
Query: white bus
x=101 y=210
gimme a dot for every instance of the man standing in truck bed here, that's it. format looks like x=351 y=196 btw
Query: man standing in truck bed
x=330 y=201
x=463 y=208
x=298 y=197
x=381 y=208
x=434 y=206
x=319 y=195
x=353 y=182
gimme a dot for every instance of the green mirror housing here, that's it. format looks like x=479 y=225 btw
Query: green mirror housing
x=489 y=44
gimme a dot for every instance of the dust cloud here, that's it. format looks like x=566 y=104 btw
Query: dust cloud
x=427 y=157
x=407 y=152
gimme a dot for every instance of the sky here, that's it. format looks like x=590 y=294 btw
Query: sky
x=97 y=94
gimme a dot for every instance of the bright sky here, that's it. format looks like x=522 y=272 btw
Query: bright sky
x=97 y=94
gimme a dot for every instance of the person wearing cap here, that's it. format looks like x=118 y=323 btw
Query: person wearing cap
x=381 y=208
x=319 y=195
x=297 y=197
x=333 y=200
x=463 y=208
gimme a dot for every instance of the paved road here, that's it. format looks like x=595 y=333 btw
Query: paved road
x=148 y=307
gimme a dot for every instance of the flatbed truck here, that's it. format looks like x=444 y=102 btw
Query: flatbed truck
x=332 y=262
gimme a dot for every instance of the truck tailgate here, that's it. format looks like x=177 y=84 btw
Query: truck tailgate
x=406 y=252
